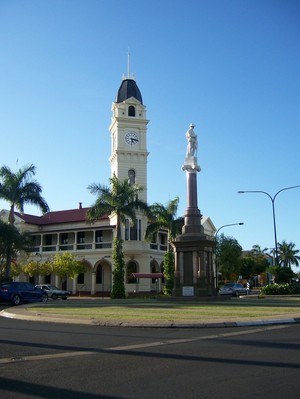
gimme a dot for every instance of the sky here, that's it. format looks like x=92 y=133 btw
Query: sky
x=231 y=67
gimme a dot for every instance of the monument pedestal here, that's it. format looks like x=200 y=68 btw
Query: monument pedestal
x=194 y=275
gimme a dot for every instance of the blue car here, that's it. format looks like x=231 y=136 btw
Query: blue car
x=18 y=292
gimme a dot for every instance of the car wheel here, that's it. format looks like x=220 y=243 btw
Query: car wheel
x=54 y=296
x=44 y=298
x=16 y=300
x=64 y=297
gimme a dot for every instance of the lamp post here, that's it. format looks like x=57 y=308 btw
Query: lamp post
x=216 y=234
x=226 y=225
x=273 y=209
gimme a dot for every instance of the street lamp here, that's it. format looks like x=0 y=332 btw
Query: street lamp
x=226 y=225
x=273 y=209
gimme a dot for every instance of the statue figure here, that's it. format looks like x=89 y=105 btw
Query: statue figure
x=192 y=142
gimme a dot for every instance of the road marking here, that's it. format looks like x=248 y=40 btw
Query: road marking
x=43 y=357
x=18 y=359
x=187 y=340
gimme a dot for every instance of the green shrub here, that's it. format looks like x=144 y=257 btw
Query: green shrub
x=169 y=270
x=278 y=289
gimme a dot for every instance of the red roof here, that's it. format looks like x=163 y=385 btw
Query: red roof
x=56 y=217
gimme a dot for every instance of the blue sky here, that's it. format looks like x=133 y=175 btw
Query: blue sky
x=232 y=67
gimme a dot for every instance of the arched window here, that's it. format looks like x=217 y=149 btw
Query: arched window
x=99 y=275
x=131 y=177
x=162 y=270
x=131 y=110
x=153 y=270
x=131 y=268
x=80 y=278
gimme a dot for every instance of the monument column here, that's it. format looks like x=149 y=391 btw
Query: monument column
x=193 y=249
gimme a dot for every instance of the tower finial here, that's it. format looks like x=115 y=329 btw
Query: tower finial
x=128 y=63
x=129 y=75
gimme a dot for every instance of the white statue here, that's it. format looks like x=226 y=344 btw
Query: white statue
x=192 y=142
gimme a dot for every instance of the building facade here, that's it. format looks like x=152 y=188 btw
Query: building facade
x=68 y=230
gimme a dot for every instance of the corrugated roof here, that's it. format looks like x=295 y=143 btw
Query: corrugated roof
x=56 y=217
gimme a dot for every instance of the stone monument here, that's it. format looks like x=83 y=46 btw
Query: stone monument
x=194 y=272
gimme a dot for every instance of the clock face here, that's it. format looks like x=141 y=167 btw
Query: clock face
x=131 y=138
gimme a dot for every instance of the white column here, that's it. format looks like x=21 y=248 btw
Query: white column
x=93 y=291
x=57 y=281
x=74 y=288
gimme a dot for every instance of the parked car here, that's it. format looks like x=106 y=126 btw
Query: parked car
x=54 y=292
x=234 y=289
x=18 y=292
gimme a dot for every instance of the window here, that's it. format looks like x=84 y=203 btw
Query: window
x=48 y=239
x=64 y=238
x=99 y=236
x=127 y=230
x=131 y=177
x=99 y=273
x=163 y=242
x=131 y=268
x=80 y=278
x=153 y=243
x=131 y=110
x=153 y=270
x=80 y=237
x=133 y=233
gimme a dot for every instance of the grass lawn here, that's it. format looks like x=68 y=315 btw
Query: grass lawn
x=138 y=309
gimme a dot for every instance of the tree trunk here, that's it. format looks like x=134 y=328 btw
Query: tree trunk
x=11 y=217
x=8 y=264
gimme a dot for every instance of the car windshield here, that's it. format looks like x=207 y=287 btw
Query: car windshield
x=228 y=285
x=52 y=287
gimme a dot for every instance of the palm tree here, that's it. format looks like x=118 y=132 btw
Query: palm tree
x=120 y=199
x=288 y=254
x=164 y=217
x=11 y=242
x=257 y=250
x=18 y=189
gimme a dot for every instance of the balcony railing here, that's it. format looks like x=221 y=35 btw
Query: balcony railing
x=72 y=247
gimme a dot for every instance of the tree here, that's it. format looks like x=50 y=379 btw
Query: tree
x=169 y=271
x=281 y=274
x=257 y=250
x=253 y=264
x=18 y=189
x=35 y=268
x=288 y=254
x=120 y=199
x=66 y=265
x=229 y=252
x=11 y=242
x=164 y=217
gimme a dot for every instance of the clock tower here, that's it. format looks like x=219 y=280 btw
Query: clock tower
x=128 y=131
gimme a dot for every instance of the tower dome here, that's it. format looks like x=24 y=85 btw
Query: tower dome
x=128 y=89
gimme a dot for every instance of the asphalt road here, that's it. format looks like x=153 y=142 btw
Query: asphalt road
x=63 y=361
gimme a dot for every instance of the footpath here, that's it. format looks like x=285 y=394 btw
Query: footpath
x=235 y=312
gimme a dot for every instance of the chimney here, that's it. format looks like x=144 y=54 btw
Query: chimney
x=79 y=205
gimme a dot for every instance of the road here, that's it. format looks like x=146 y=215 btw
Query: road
x=63 y=361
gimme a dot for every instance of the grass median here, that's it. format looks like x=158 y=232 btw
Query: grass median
x=244 y=308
